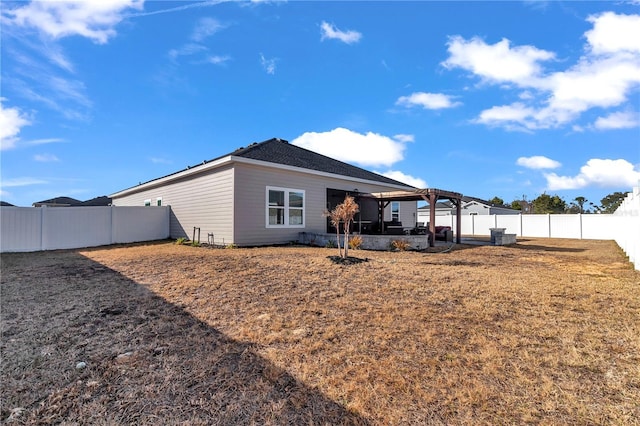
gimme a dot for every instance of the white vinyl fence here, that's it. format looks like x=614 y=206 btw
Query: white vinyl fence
x=629 y=238
x=623 y=226
x=49 y=228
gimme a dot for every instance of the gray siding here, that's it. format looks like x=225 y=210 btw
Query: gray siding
x=204 y=201
x=250 y=202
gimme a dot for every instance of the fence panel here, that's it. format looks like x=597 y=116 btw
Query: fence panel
x=535 y=225
x=135 y=223
x=49 y=228
x=21 y=229
x=565 y=226
x=511 y=222
x=483 y=223
x=628 y=236
x=74 y=227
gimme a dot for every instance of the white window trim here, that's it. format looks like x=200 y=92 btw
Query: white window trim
x=147 y=203
x=159 y=199
x=286 y=207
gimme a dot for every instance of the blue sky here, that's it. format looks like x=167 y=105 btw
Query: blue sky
x=484 y=98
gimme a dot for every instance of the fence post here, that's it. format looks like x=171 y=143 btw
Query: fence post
x=111 y=224
x=520 y=224
x=580 y=219
x=41 y=227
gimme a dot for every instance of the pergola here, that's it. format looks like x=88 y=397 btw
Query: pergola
x=430 y=195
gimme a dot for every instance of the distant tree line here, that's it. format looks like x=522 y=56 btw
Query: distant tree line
x=553 y=204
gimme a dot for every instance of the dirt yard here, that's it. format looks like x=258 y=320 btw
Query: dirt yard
x=545 y=332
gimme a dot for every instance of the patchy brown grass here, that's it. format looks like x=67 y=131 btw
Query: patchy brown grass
x=545 y=331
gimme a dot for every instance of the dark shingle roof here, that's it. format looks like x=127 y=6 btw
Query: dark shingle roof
x=98 y=201
x=279 y=151
x=282 y=152
x=64 y=201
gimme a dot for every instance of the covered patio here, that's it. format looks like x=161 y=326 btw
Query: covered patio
x=430 y=195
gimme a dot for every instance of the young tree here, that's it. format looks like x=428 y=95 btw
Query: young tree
x=334 y=218
x=343 y=213
x=349 y=209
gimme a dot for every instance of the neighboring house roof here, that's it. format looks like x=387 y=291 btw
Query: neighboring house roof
x=98 y=201
x=439 y=205
x=281 y=152
x=58 y=201
x=5 y=204
x=445 y=205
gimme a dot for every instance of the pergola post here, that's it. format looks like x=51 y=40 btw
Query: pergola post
x=458 y=220
x=433 y=198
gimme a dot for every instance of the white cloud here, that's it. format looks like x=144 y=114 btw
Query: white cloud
x=618 y=120
x=12 y=120
x=269 y=65
x=160 y=160
x=600 y=173
x=370 y=149
x=329 y=31
x=614 y=33
x=217 y=60
x=23 y=181
x=498 y=62
x=43 y=141
x=206 y=27
x=404 y=138
x=404 y=178
x=46 y=158
x=186 y=50
x=95 y=19
x=516 y=116
x=593 y=82
x=604 y=77
x=427 y=100
x=538 y=162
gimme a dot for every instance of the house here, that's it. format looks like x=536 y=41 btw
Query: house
x=97 y=201
x=470 y=206
x=72 y=202
x=265 y=193
x=58 y=202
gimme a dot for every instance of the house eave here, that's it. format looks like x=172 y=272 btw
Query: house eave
x=230 y=159
x=189 y=171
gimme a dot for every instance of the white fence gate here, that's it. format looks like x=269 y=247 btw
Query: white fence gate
x=25 y=229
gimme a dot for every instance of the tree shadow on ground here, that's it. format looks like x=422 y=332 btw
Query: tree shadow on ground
x=146 y=361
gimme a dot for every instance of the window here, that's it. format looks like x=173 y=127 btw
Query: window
x=159 y=201
x=395 y=211
x=147 y=203
x=285 y=208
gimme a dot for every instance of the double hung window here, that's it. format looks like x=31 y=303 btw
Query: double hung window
x=285 y=208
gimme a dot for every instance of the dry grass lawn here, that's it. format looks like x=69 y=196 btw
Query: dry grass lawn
x=544 y=332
